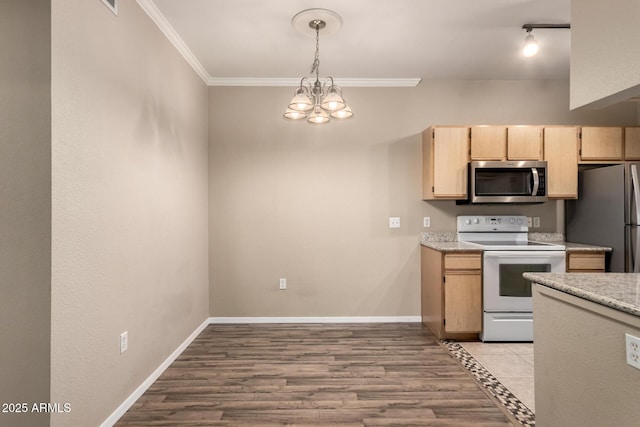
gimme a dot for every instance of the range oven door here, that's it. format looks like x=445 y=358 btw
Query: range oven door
x=505 y=290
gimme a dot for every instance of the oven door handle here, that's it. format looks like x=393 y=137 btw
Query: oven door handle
x=536 y=181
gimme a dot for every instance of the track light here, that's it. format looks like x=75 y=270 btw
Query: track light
x=531 y=46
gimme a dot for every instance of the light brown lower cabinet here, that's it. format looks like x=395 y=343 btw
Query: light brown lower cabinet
x=585 y=261
x=451 y=293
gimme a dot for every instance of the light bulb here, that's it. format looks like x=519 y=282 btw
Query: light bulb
x=531 y=46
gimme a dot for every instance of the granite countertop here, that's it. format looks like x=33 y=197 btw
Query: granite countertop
x=620 y=291
x=582 y=247
x=448 y=242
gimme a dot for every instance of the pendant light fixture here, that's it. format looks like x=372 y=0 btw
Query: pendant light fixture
x=531 y=46
x=317 y=101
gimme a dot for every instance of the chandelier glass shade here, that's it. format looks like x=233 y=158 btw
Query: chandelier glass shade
x=317 y=100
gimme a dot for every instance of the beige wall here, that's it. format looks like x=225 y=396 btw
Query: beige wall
x=129 y=171
x=25 y=206
x=605 y=53
x=311 y=204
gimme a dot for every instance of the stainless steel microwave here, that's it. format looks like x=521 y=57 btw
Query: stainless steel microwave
x=508 y=182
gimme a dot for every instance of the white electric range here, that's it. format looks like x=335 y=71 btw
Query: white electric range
x=507 y=253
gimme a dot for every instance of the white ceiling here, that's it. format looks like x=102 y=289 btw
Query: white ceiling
x=379 y=39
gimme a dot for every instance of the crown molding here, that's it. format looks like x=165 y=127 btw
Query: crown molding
x=150 y=8
x=156 y=16
x=295 y=81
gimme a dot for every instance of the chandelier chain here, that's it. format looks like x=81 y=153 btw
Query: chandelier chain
x=316 y=60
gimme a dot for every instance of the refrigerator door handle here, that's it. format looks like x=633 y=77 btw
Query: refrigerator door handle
x=536 y=181
x=636 y=198
x=636 y=192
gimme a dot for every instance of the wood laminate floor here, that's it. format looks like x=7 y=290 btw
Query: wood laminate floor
x=315 y=375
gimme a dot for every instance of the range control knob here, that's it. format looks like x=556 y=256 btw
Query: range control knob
x=467 y=221
x=476 y=221
x=512 y=220
x=519 y=221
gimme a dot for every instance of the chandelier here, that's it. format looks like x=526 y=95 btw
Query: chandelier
x=317 y=101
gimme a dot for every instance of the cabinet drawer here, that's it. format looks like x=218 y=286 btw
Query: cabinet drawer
x=586 y=261
x=463 y=261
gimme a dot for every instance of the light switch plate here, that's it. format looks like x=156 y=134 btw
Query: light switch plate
x=124 y=341
x=426 y=221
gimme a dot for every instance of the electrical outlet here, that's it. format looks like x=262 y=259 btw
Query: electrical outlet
x=536 y=222
x=426 y=222
x=529 y=221
x=394 y=222
x=633 y=351
x=124 y=341
x=283 y=284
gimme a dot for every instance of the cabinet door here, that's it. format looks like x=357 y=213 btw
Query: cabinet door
x=463 y=302
x=561 y=154
x=450 y=159
x=488 y=143
x=524 y=143
x=632 y=143
x=601 y=143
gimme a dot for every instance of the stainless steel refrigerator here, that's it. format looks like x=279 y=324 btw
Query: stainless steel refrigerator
x=606 y=213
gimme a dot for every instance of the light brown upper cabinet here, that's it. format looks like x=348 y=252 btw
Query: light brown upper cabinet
x=488 y=143
x=506 y=143
x=524 y=143
x=561 y=153
x=632 y=143
x=445 y=155
x=601 y=143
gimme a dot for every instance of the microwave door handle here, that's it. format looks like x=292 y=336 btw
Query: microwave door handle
x=536 y=181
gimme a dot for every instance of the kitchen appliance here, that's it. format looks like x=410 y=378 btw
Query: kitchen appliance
x=507 y=182
x=606 y=214
x=507 y=253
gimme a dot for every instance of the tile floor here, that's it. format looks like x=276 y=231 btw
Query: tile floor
x=510 y=363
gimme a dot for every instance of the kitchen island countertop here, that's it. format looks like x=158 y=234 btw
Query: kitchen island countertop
x=620 y=291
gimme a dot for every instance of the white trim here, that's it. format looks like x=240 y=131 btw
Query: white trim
x=124 y=407
x=346 y=319
x=295 y=81
x=167 y=29
x=154 y=13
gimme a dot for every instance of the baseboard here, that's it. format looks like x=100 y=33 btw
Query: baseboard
x=124 y=407
x=348 y=319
